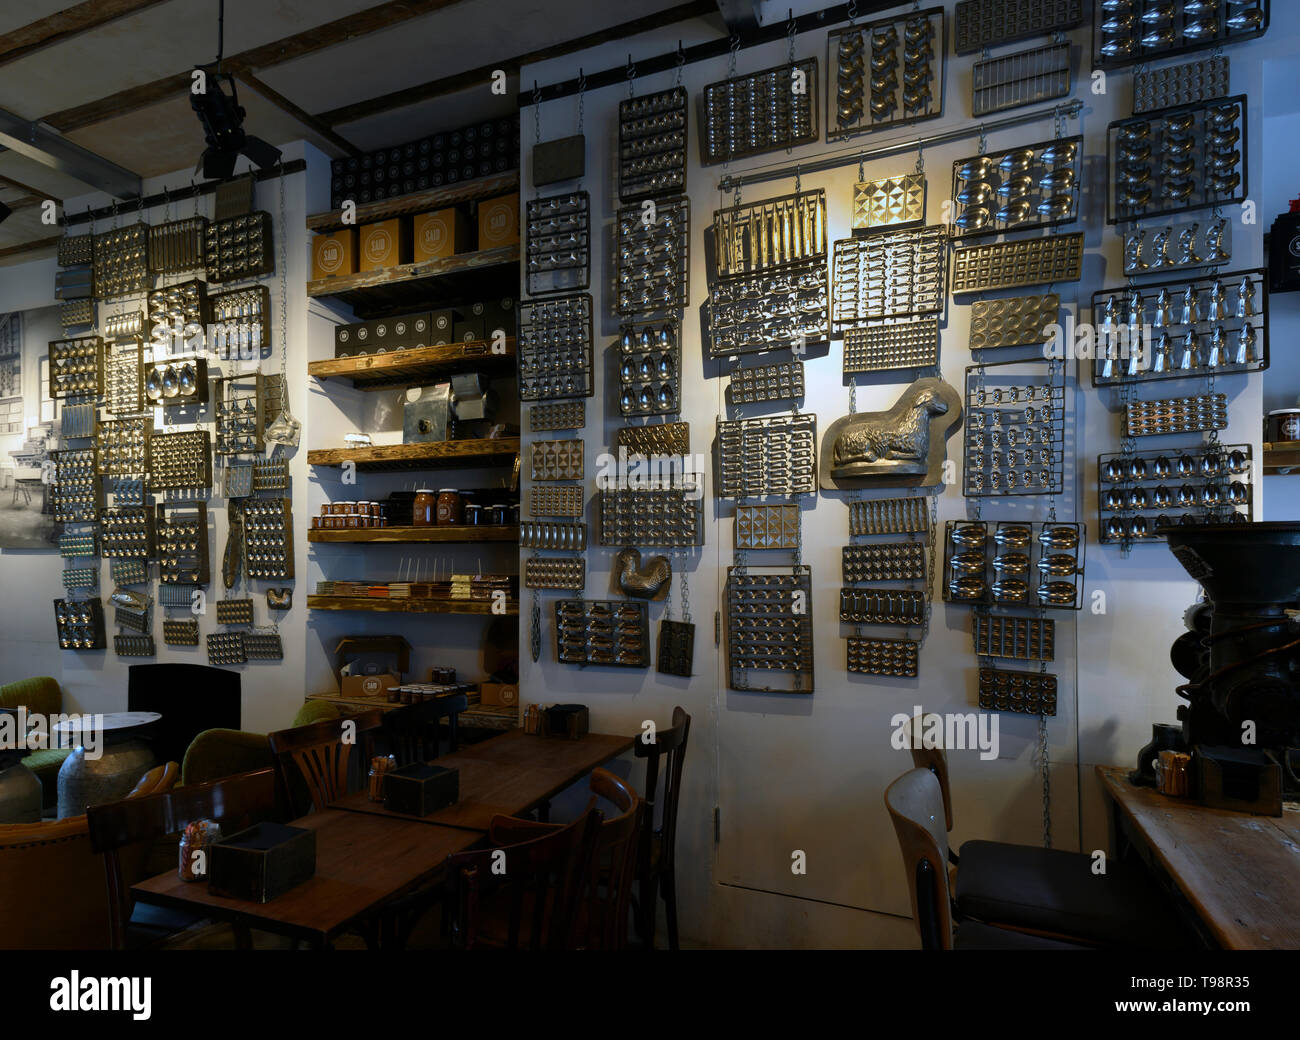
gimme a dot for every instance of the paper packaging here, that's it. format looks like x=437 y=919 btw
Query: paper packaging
x=367 y=685
x=335 y=254
x=467 y=330
x=499 y=694
x=386 y=243
x=442 y=325
x=443 y=232
x=498 y=222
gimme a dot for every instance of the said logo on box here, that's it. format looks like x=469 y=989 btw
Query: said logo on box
x=498 y=219
x=378 y=245
x=433 y=235
x=330 y=258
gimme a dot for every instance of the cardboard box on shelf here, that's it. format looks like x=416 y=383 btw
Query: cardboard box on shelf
x=443 y=232
x=499 y=694
x=385 y=243
x=368 y=685
x=498 y=222
x=335 y=254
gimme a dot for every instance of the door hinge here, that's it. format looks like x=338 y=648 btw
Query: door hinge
x=717 y=825
x=717 y=628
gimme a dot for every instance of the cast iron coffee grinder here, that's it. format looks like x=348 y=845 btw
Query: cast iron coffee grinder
x=1241 y=653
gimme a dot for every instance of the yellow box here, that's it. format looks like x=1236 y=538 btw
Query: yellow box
x=498 y=222
x=367 y=685
x=386 y=243
x=335 y=254
x=443 y=232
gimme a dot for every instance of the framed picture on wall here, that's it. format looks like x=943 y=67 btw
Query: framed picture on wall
x=27 y=431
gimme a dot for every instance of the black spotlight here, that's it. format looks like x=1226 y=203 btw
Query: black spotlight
x=4 y=212
x=223 y=128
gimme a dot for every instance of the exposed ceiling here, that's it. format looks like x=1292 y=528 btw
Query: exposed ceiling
x=113 y=76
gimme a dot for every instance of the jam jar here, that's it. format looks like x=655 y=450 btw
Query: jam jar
x=450 y=506
x=425 y=510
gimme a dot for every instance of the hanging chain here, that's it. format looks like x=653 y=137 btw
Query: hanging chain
x=631 y=75
x=535 y=629
x=537 y=114
x=582 y=98
x=1044 y=760
x=920 y=158
x=931 y=561
x=798 y=178
x=686 y=593
x=681 y=64
x=284 y=303
x=167 y=205
x=790 y=31
x=853 y=12
x=862 y=168
x=984 y=140
x=668 y=597
x=1059 y=121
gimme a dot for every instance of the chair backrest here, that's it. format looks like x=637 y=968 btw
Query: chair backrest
x=916 y=806
x=413 y=733
x=190 y=697
x=320 y=755
x=669 y=747
x=51 y=866
x=609 y=891
x=539 y=882
x=235 y=803
x=932 y=756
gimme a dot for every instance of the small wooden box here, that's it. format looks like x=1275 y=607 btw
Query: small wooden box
x=262 y=862
x=421 y=789
x=567 y=721
x=335 y=254
x=1240 y=779
x=443 y=232
x=498 y=222
x=503 y=695
x=386 y=243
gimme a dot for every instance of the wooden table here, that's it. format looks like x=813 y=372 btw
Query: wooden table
x=362 y=863
x=507 y=775
x=1238 y=873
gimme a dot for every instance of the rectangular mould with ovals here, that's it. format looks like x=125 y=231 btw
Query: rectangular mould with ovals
x=1136 y=39
x=605 y=632
x=1017 y=264
x=760 y=112
x=774 y=455
x=1014 y=563
x=664 y=516
x=1017 y=189
x=882 y=606
x=884 y=561
x=880 y=346
x=990 y=23
x=1016 y=638
x=888 y=516
x=555 y=348
x=769 y=627
x=1025 y=693
x=1016 y=321
x=561 y=572
x=896 y=657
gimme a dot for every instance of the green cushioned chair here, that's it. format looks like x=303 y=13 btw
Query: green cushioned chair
x=217 y=753
x=44 y=696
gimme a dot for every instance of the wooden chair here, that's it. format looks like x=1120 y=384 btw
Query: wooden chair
x=915 y=805
x=607 y=892
x=53 y=880
x=320 y=756
x=414 y=733
x=534 y=887
x=1051 y=892
x=656 y=849
x=235 y=803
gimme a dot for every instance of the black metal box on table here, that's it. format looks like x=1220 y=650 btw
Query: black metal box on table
x=421 y=789
x=262 y=862
x=567 y=721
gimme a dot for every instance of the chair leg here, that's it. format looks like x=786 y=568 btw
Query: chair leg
x=648 y=891
x=669 y=886
x=243 y=936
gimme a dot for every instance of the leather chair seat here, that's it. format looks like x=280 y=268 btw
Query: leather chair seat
x=971 y=935
x=1051 y=890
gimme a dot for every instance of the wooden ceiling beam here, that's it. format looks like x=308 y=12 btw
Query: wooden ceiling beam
x=309 y=41
x=245 y=76
x=64 y=25
x=30 y=247
x=473 y=77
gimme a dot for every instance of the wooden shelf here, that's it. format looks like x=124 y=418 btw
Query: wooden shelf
x=376 y=294
x=412 y=367
x=449 y=534
x=384 y=605
x=420 y=201
x=1282 y=458
x=482 y=451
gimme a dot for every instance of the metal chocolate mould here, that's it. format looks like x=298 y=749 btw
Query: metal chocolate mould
x=132 y=618
x=75 y=250
x=176 y=596
x=226 y=648
x=268 y=538
x=176 y=382
x=79 y=624
x=1198 y=484
x=652 y=145
x=1184 y=84
x=1146 y=30
x=78 y=492
x=758 y=313
x=1019 y=564
x=549 y=534
x=555 y=354
x=1177 y=246
x=761 y=112
x=556 y=460
x=123 y=377
x=879 y=346
x=180 y=631
x=990 y=23
x=1017 y=321
x=780 y=382
x=560 y=500
x=655 y=516
x=181 y=533
x=128 y=491
x=76 y=314
x=558 y=251
x=177 y=247
x=887 y=73
x=759 y=236
x=601 y=631
x=1177 y=159
x=241 y=414
x=263 y=646
x=567 y=415
x=241 y=322
x=1018 y=264
x=1023 y=78
x=888 y=516
x=774 y=455
x=129 y=572
x=124 y=447
x=1014 y=434
x=1028 y=187
x=180 y=460
x=75 y=366
x=1028 y=693
x=239 y=247
x=891 y=274
x=899 y=657
x=179 y=310
x=124 y=326
x=1176 y=329
x=234 y=612
x=1176 y=415
x=80 y=577
x=767 y=527
x=653 y=274
x=555 y=573
x=882 y=606
x=769 y=626
x=676 y=648
x=661 y=439
x=72 y=546
x=884 y=561
x=270 y=475
x=134 y=646
x=126 y=533
x=238 y=481
x=1025 y=639
x=122 y=261
x=649 y=369
x=889 y=202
